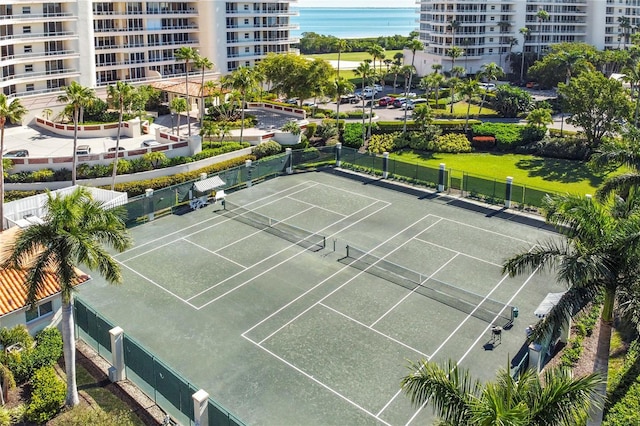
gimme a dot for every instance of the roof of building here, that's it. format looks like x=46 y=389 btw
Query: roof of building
x=13 y=291
x=178 y=87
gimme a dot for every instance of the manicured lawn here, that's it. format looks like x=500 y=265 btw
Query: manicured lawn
x=549 y=174
x=352 y=56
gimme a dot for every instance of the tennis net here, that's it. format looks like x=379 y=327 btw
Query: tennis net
x=307 y=239
x=485 y=309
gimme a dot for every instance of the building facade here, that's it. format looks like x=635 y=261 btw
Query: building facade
x=46 y=45
x=488 y=31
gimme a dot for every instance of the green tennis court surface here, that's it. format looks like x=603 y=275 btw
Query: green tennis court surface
x=264 y=307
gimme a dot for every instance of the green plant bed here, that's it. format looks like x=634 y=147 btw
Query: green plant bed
x=547 y=174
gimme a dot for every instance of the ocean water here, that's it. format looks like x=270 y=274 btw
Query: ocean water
x=347 y=22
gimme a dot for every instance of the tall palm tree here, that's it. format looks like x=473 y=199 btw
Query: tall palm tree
x=469 y=89
x=76 y=97
x=632 y=76
x=76 y=230
x=203 y=63
x=342 y=45
x=438 y=79
x=542 y=16
x=414 y=45
x=454 y=53
x=599 y=254
x=490 y=72
x=343 y=86
x=178 y=105
x=436 y=68
x=555 y=399
x=398 y=58
x=525 y=33
x=187 y=54
x=121 y=97
x=364 y=71
x=244 y=80
x=625 y=25
x=12 y=111
x=377 y=52
x=453 y=26
x=614 y=153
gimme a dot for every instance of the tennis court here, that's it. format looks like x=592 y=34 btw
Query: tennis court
x=301 y=301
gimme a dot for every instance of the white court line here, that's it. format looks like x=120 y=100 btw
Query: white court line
x=309 y=376
x=250 y=267
x=413 y=291
x=480 y=336
x=491 y=232
x=374 y=330
x=216 y=254
x=458 y=252
x=217 y=223
x=334 y=189
x=157 y=285
x=352 y=278
x=216 y=217
x=318 y=207
x=295 y=255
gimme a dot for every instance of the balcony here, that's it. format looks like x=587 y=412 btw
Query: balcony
x=39 y=56
x=36 y=76
x=36 y=17
x=47 y=36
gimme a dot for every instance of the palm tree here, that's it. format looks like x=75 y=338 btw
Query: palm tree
x=343 y=86
x=395 y=70
x=436 y=68
x=525 y=33
x=12 y=111
x=377 y=52
x=76 y=97
x=120 y=96
x=490 y=72
x=570 y=60
x=398 y=58
x=438 y=79
x=342 y=45
x=244 y=80
x=414 y=45
x=178 y=105
x=187 y=54
x=364 y=71
x=540 y=117
x=625 y=24
x=555 y=399
x=542 y=16
x=76 y=230
x=203 y=63
x=632 y=76
x=469 y=90
x=454 y=53
x=453 y=26
x=599 y=254
x=46 y=113
x=613 y=153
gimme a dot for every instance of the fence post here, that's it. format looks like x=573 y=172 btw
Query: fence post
x=149 y=194
x=385 y=165
x=507 y=192
x=441 y=173
x=338 y=154
x=289 y=161
x=588 y=196
x=117 y=371
x=201 y=408
x=247 y=164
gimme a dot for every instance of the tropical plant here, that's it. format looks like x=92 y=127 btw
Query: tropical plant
x=511 y=101
x=178 y=106
x=542 y=16
x=364 y=71
x=598 y=254
x=120 y=97
x=77 y=97
x=12 y=111
x=413 y=46
x=203 y=63
x=244 y=80
x=453 y=26
x=187 y=54
x=614 y=153
x=490 y=72
x=554 y=399
x=525 y=33
x=540 y=117
x=46 y=113
x=75 y=231
x=292 y=127
x=469 y=89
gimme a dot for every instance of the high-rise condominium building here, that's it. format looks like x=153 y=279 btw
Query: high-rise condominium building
x=487 y=31
x=46 y=45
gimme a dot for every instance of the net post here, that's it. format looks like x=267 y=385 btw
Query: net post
x=338 y=154
x=508 y=191
x=385 y=165
x=441 y=176
x=289 y=161
x=348 y=251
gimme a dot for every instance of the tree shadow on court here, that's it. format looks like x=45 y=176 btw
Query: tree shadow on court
x=559 y=170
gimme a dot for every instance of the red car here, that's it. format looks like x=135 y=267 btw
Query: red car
x=386 y=101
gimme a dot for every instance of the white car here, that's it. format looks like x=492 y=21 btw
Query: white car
x=378 y=88
x=411 y=103
x=489 y=87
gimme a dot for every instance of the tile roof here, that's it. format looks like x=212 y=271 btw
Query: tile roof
x=13 y=291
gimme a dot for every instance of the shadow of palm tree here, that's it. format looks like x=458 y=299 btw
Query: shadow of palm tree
x=558 y=170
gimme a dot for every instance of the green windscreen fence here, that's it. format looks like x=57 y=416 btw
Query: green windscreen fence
x=165 y=386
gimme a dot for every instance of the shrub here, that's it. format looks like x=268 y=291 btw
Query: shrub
x=123 y=167
x=48 y=348
x=451 y=142
x=5 y=417
x=508 y=136
x=81 y=416
x=382 y=143
x=483 y=142
x=532 y=134
x=310 y=131
x=266 y=149
x=352 y=135
x=47 y=396
x=43 y=175
x=570 y=148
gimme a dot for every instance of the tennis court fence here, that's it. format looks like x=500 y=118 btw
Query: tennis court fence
x=481 y=307
x=491 y=190
x=165 y=386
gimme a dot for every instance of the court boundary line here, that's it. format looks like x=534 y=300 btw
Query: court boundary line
x=475 y=342
x=215 y=217
x=318 y=207
x=414 y=291
x=489 y=231
x=458 y=252
x=369 y=327
x=215 y=253
x=158 y=285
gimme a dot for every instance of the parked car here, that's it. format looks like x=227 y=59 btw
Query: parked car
x=113 y=149
x=378 y=88
x=398 y=102
x=309 y=104
x=292 y=101
x=369 y=92
x=349 y=99
x=83 y=150
x=489 y=87
x=386 y=101
x=146 y=144
x=409 y=94
x=411 y=103
x=17 y=153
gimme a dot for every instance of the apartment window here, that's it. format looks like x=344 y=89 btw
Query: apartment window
x=491 y=29
x=493 y=18
x=246 y=50
x=246 y=7
x=490 y=39
x=47 y=307
x=246 y=36
x=26 y=10
x=246 y=22
x=26 y=30
x=247 y=63
x=490 y=50
x=28 y=68
x=28 y=48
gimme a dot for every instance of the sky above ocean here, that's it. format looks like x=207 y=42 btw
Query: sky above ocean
x=356 y=3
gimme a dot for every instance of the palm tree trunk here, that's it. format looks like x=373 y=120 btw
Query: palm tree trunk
x=484 y=95
x=75 y=146
x=466 y=121
x=178 y=123
x=242 y=119
x=69 y=347
x=609 y=299
x=2 y=121
x=635 y=116
x=202 y=99
x=186 y=89
x=115 y=160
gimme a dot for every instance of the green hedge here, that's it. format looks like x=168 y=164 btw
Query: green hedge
x=47 y=395
x=509 y=136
